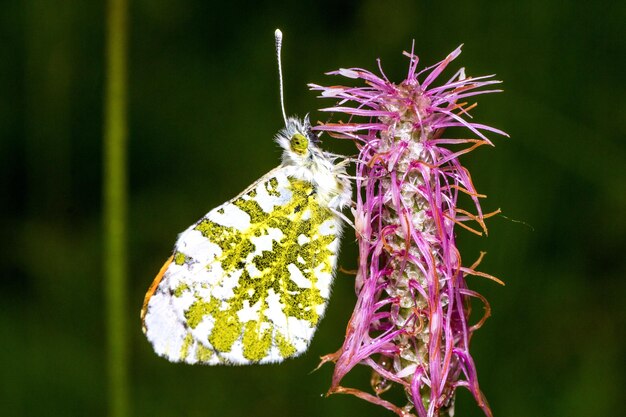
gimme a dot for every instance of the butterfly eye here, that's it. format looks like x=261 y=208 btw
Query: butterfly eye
x=299 y=144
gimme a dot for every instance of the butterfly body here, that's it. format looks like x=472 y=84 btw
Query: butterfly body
x=249 y=282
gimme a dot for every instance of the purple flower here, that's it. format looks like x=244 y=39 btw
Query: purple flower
x=411 y=320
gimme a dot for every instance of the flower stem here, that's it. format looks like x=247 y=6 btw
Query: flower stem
x=115 y=202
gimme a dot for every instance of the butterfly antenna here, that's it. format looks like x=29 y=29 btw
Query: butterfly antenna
x=278 y=35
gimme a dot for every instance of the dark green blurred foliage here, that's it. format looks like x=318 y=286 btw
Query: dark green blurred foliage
x=203 y=109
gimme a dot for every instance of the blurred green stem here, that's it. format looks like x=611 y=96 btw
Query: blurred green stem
x=115 y=133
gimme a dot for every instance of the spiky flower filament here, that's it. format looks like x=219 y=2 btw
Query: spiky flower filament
x=410 y=322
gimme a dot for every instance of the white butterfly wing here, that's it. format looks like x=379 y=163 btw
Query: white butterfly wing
x=249 y=282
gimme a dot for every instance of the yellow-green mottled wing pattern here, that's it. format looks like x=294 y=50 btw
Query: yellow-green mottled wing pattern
x=249 y=282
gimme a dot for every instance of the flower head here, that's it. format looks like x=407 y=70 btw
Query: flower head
x=411 y=320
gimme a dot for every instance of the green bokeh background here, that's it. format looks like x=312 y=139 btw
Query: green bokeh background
x=203 y=104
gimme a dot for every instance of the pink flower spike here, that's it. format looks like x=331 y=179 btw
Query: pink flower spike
x=411 y=323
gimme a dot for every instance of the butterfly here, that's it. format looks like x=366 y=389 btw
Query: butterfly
x=249 y=281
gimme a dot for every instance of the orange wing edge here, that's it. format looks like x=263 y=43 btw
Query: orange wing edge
x=152 y=289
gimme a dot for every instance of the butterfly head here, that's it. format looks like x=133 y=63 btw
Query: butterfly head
x=298 y=141
x=305 y=160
